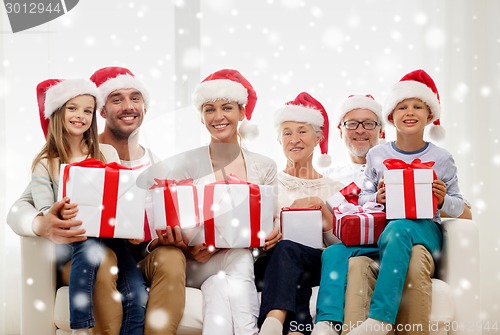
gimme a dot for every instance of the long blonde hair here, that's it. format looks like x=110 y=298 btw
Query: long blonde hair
x=57 y=145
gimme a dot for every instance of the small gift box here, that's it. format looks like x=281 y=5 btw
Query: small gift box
x=110 y=204
x=175 y=203
x=408 y=189
x=359 y=225
x=302 y=225
x=234 y=214
x=348 y=194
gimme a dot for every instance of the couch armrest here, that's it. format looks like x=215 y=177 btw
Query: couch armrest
x=38 y=286
x=459 y=268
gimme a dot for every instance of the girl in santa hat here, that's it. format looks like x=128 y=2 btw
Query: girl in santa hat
x=225 y=101
x=289 y=271
x=67 y=114
x=412 y=104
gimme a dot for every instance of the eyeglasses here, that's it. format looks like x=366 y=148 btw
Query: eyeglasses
x=367 y=124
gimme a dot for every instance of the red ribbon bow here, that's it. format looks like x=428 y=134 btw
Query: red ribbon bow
x=394 y=163
x=162 y=183
x=110 y=191
x=254 y=199
x=409 y=182
x=351 y=193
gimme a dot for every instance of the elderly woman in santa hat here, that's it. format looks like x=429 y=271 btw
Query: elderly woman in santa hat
x=225 y=101
x=292 y=269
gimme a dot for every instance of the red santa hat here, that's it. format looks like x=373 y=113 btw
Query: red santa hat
x=308 y=110
x=109 y=79
x=417 y=84
x=361 y=102
x=228 y=84
x=52 y=94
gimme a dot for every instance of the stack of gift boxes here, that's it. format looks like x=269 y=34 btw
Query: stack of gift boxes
x=229 y=214
x=234 y=213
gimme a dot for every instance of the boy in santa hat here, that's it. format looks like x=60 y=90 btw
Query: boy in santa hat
x=413 y=103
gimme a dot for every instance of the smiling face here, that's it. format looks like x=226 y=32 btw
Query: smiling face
x=221 y=119
x=358 y=141
x=78 y=114
x=124 y=112
x=298 y=141
x=410 y=117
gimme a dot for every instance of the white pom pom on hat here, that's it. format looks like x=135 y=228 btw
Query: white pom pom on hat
x=229 y=84
x=305 y=108
x=417 y=84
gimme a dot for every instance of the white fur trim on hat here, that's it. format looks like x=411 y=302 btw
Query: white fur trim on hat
x=58 y=94
x=218 y=89
x=359 y=102
x=407 y=89
x=298 y=113
x=123 y=81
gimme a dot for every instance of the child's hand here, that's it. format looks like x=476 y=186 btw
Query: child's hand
x=439 y=190
x=380 y=192
x=69 y=210
x=136 y=241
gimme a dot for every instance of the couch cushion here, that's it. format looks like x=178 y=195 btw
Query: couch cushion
x=191 y=321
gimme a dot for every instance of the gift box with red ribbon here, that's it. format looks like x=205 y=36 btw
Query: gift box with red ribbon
x=359 y=225
x=110 y=204
x=348 y=194
x=233 y=214
x=175 y=203
x=408 y=189
x=302 y=225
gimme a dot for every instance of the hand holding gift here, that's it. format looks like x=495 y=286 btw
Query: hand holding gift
x=439 y=190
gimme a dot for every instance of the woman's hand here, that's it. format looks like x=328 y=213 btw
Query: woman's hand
x=309 y=202
x=271 y=240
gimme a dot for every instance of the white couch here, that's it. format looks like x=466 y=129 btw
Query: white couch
x=455 y=297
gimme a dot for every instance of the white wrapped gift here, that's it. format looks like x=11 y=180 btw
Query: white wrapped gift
x=408 y=193
x=233 y=214
x=302 y=225
x=110 y=204
x=175 y=203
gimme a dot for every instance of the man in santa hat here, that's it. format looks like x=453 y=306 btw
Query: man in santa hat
x=126 y=103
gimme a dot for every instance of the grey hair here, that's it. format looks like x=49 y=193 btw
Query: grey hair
x=317 y=129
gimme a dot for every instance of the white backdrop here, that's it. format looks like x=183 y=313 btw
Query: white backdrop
x=330 y=49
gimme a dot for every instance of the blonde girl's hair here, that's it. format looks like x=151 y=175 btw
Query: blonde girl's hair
x=57 y=145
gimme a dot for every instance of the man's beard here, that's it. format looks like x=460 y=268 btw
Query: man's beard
x=359 y=152
x=122 y=135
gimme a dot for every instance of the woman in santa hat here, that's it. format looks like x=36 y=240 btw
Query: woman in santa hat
x=225 y=101
x=292 y=268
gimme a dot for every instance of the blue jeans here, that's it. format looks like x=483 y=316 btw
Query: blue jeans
x=394 y=248
x=291 y=271
x=86 y=258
